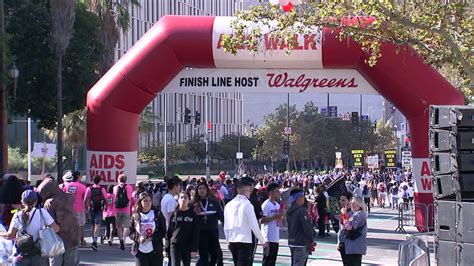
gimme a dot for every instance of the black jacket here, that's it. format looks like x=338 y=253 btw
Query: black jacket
x=158 y=234
x=300 y=229
x=183 y=229
x=209 y=222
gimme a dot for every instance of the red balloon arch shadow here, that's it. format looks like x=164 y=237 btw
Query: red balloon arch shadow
x=175 y=42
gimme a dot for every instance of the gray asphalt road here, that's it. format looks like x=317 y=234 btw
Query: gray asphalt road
x=382 y=238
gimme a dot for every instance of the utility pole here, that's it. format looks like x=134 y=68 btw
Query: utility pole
x=165 y=152
x=209 y=127
x=3 y=100
x=288 y=135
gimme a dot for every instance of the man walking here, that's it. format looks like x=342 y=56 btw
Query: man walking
x=239 y=223
x=123 y=202
x=300 y=229
x=74 y=186
x=321 y=204
x=271 y=224
x=95 y=203
x=168 y=202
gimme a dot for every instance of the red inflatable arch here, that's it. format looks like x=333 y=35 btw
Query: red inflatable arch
x=114 y=104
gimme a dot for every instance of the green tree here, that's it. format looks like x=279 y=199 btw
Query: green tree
x=197 y=146
x=271 y=133
x=147 y=123
x=63 y=14
x=114 y=16
x=74 y=133
x=440 y=31
x=315 y=138
x=29 y=46
x=228 y=145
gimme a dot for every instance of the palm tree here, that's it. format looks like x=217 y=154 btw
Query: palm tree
x=113 y=16
x=63 y=15
x=74 y=132
x=147 y=123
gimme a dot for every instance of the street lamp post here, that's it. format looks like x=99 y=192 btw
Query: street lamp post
x=13 y=74
x=3 y=100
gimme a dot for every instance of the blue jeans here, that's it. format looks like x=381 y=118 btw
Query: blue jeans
x=69 y=258
x=30 y=260
x=394 y=202
x=299 y=256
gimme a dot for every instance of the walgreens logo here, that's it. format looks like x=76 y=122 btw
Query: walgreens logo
x=303 y=82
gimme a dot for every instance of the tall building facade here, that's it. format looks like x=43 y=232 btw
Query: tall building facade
x=222 y=110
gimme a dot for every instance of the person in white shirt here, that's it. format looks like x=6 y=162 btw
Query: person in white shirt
x=31 y=220
x=271 y=224
x=239 y=223
x=168 y=202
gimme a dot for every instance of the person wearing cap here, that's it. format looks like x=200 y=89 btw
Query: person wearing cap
x=300 y=229
x=31 y=220
x=74 y=186
x=239 y=224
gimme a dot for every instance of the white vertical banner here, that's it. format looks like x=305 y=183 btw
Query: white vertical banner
x=422 y=175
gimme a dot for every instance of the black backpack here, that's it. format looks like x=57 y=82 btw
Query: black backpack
x=121 y=200
x=365 y=191
x=97 y=199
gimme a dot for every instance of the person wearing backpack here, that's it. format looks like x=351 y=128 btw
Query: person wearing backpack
x=95 y=202
x=123 y=202
x=25 y=227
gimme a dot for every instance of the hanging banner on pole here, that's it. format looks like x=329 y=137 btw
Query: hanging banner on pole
x=373 y=161
x=390 y=158
x=358 y=158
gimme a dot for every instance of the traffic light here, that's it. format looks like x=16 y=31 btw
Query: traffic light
x=355 y=118
x=197 y=118
x=187 y=116
x=286 y=147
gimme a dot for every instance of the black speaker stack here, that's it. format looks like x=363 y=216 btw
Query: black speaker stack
x=451 y=138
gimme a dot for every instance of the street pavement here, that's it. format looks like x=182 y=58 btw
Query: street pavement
x=382 y=240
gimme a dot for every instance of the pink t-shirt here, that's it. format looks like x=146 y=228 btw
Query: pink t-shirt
x=88 y=192
x=129 y=195
x=79 y=192
x=110 y=205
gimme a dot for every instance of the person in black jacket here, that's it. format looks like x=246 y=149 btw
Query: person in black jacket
x=147 y=230
x=209 y=212
x=183 y=233
x=300 y=229
x=321 y=204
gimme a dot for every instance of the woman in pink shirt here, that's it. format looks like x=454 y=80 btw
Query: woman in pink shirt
x=109 y=216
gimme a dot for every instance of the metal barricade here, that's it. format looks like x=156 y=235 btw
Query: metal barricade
x=414 y=251
x=407 y=213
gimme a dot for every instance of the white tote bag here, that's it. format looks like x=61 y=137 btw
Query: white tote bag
x=50 y=243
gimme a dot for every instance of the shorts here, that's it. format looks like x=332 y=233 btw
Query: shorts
x=122 y=219
x=96 y=217
x=81 y=218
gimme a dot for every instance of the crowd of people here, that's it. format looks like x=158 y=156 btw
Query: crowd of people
x=180 y=219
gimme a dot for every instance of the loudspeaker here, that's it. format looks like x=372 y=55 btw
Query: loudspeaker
x=446 y=186
x=449 y=116
x=465 y=226
x=451 y=162
x=445 y=225
x=446 y=253
x=451 y=140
